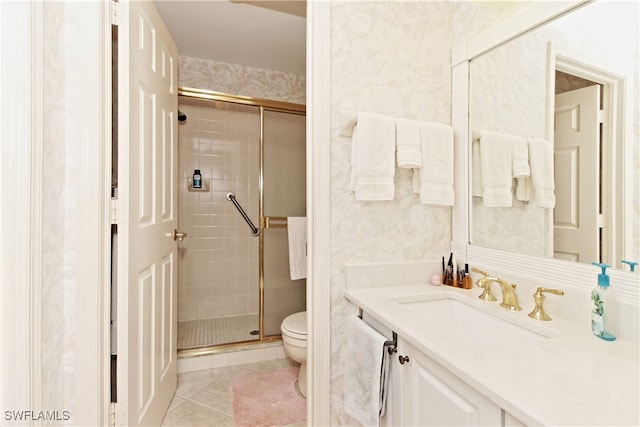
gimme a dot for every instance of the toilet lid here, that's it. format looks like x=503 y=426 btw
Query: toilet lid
x=296 y=323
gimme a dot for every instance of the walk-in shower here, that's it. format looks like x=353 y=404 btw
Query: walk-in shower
x=234 y=286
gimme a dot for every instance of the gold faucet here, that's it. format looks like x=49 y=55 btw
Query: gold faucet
x=509 y=297
x=538 y=312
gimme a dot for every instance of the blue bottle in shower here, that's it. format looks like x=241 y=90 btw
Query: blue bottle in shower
x=197 y=179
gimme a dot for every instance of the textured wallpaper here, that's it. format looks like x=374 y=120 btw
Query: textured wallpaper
x=391 y=58
x=239 y=80
x=58 y=199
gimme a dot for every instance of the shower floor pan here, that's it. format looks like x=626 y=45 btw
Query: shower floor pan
x=211 y=332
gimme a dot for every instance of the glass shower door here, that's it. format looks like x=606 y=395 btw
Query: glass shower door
x=284 y=195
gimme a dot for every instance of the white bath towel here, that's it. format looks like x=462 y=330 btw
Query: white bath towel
x=496 y=169
x=436 y=173
x=297 y=234
x=373 y=157
x=408 y=144
x=542 y=173
x=366 y=372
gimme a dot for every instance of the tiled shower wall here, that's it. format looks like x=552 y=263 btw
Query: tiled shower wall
x=218 y=261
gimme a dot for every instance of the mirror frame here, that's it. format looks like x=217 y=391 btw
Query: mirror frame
x=544 y=270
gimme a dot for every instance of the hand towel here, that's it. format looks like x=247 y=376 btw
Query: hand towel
x=297 y=234
x=353 y=179
x=524 y=190
x=374 y=151
x=542 y=173
x=366 y=372
x=408 y=144
x=436 y=173
x=476 y=168
x=520 y=157
x=521 y=170
x=496 y=169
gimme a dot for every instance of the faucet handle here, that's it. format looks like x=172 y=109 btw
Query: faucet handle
x=477 y=270
x=538 y=312
x=485 y=284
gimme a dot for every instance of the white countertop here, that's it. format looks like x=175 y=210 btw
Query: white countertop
x=570 y=378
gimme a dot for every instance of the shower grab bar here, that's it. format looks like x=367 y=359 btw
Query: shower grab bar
x=232 y=197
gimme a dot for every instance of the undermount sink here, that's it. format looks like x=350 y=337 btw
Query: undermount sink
x=473 y=321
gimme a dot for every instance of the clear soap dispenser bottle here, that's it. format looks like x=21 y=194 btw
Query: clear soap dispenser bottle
x=604 y=313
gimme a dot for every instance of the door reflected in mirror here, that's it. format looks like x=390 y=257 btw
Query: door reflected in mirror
x=573 y=83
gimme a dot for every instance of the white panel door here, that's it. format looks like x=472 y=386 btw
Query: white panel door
x=147 y=212
x=576 y=146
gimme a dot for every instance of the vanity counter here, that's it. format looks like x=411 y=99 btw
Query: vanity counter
x=569 y=378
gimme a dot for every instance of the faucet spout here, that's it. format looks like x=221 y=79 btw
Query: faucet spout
x=509 y=297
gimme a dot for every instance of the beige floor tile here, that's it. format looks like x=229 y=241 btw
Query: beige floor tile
x=190 y=414
x=203 y=398
x=271 y=365
x=190 y=383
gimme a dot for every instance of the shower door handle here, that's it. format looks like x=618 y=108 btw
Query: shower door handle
x=179 y=235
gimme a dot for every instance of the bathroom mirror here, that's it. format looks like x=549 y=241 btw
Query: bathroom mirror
x=542 y=84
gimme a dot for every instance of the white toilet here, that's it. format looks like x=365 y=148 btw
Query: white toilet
x=294 y=338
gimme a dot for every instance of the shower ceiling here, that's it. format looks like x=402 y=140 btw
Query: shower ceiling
x=261 y=34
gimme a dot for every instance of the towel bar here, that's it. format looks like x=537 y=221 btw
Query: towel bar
x=392 y=344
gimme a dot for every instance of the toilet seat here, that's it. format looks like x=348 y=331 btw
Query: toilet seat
x=295 y=325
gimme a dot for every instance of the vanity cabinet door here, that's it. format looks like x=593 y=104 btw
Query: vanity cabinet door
x=432 y=396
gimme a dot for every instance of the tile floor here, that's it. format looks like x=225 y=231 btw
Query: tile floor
x=221 y=330
x=203 y=397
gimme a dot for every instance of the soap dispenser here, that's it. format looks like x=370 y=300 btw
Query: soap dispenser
x=604 y=312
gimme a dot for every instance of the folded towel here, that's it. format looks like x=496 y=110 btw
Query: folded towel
x=496 y=169
x=436 y=173
x=521 y=171
x=354 y=178
x=524 y=190
x=373 y=157
x=476 y=168
x=542 y=173
x=366 y=373
x=297 y=234
x=520 y=157
x=408 y=144
x=415 y=181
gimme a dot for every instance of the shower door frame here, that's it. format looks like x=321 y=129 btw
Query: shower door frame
x=263 y=105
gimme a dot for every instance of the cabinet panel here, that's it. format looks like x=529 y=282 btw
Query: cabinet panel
x=432 y=396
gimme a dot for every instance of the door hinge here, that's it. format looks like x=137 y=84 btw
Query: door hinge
x=601 y=116
x=118 y=212
x=602 y=220
x=114 y=12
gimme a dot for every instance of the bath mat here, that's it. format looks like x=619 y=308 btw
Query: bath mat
x=267 y=399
